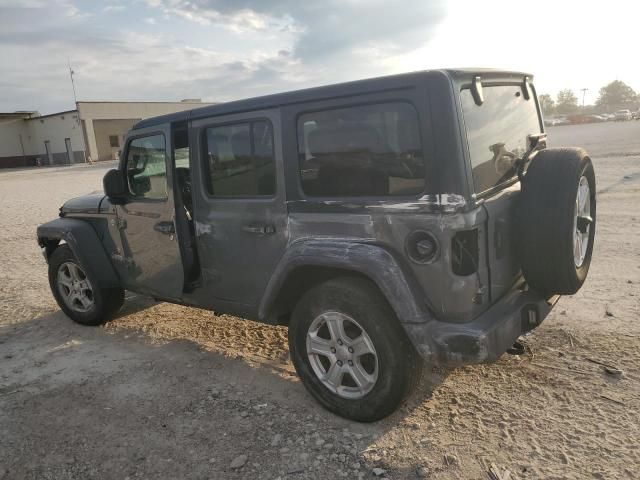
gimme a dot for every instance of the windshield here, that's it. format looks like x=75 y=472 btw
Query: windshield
x=497 y=132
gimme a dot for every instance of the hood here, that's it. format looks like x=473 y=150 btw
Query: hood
x=89 y=203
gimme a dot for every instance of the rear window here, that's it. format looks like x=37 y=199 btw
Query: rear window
x=497 y=132
x=365 y=150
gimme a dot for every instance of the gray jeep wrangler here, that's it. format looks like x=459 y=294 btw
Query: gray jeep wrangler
x=387 y=222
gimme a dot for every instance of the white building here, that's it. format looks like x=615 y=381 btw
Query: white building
x=93 y=132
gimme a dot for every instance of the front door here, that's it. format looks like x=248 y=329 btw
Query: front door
x=239 y=202
x=150 y=259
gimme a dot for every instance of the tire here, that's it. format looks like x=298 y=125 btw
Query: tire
x=91 y=305
x=362 y=307
x=550 y=223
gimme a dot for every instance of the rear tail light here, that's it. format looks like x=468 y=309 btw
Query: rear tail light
x=464 y=252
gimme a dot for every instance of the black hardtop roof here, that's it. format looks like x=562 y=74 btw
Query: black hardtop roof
x=370 y=85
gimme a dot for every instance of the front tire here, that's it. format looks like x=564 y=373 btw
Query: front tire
x=77 y=294
x=350 y=351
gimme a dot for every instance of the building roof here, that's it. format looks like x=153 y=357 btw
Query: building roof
x=178 y=102
x=19 y=114
x=40 y=117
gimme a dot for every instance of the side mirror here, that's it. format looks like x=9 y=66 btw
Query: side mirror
x=115 y=186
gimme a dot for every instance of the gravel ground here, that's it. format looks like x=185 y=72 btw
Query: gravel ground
x=170 y=392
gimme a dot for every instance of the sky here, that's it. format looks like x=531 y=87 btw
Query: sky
x=220 y=50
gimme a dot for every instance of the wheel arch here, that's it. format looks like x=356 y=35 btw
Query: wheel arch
x=85 y=245
x=310 y=262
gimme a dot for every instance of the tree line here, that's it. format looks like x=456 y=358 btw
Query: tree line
x=614 y=96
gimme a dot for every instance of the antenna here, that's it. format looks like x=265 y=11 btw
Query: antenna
x=73 y=85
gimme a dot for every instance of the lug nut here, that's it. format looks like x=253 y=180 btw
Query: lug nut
x=333 y=350
x=350 y=349
x=350 y=363
x=339 y=363
x=339 y=342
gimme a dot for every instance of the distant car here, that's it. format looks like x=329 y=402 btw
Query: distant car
x=608 y=116
x=552 y=122
x=583 y=118
x=636 y=115
x=623 y=115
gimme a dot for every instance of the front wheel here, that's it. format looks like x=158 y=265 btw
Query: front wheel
x=350 y=351
x=77 y=294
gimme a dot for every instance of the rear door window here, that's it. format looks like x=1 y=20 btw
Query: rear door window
x=240 y=160
x=365 y=150
x=497 y=132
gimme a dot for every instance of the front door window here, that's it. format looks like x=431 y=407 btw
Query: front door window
x=147 y=168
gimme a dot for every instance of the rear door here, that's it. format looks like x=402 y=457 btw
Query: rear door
x=497 y=135
x=150 y=253
x=239 y=202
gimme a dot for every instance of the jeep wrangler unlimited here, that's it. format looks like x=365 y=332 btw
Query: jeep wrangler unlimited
x=387 y=222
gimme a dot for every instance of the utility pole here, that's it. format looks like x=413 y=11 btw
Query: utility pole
x=75 y=101
x=584 y=91
x=73 y=85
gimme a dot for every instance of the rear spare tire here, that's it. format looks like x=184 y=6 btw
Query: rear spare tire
x=557 y=220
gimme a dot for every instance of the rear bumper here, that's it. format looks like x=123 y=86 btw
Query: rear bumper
x=487 y=337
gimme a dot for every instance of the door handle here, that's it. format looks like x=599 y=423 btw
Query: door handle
x=260 y=229
x=167 y=228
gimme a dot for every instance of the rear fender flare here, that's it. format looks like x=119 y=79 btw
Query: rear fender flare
x=374 y=262
x=85 y=245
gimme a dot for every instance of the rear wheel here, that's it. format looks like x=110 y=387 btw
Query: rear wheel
x=557 y=218
x=350 y=351
x=77 y=294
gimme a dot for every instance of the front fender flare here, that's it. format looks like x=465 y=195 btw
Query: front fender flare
x=372 y=261
x=85 y=245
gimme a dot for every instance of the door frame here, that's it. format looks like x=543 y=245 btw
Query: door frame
x=47 y=148
x=67 y=144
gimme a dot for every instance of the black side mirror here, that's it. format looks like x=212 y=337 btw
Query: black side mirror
x=115 y=186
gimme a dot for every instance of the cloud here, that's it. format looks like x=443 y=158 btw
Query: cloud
x=215 y=50
x=325 y=28
x=114 y=8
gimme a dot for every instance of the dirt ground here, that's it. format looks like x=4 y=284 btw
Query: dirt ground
x=171 y=392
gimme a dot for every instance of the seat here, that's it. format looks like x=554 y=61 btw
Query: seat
x=346 y=156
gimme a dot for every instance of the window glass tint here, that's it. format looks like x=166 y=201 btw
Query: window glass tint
x=497 y=132
x=367 y=150
x=146 y=167
x=240 y=160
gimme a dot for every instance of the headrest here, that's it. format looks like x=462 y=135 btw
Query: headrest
x=344 y=138
x=241 y=144
x=408 y=136
x=352 y=180
x=213 y=142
